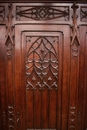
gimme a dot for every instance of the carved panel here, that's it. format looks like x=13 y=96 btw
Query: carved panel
x=42 y=62
x=10 y=117
x=42 y=13
x=2 y=13
x=83 y=13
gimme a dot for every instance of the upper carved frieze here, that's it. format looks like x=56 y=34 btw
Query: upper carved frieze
x=26 y=13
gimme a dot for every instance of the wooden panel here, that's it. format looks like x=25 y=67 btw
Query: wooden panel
x=36 y=88
x=84 y=40
x=43 y=63
x=40 y=74
x=3 y=103
x=81 y=84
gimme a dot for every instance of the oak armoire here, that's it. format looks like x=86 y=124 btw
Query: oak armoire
x=43 y=65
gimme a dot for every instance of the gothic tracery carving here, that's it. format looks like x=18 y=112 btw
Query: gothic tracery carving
x=42 y=13
x=43 y=63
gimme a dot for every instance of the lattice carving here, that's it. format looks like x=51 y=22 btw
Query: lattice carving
x=72 y=118
x=42 y=62
x=83 y=13
x=42 y=13
x=2 y=13
x=75 y=34
x=10 y=117
x=4 y=117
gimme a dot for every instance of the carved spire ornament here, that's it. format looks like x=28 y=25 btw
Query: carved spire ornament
x=75 y=34
x=9 y=26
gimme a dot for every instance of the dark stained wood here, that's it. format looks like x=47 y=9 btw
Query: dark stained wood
x=3 y=101
x=45 y=1
x=43 y=66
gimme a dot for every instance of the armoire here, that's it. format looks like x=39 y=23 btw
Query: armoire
x=43 y=65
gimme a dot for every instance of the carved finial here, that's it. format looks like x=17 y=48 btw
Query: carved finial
x=74 y=6
x=10 y=6
x=75 y=28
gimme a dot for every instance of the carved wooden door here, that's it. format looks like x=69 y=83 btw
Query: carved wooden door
x=38 y=75
x=43 y=51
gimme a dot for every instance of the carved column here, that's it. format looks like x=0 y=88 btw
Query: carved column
x=74 y=70
x=9 y=57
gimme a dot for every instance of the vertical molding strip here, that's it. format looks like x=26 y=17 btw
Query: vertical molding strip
x=74 y=71
x=9 y=61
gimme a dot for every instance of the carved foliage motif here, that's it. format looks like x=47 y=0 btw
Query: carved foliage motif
x=42 y=63
x=72 y=118
x=83 y=14
x=2 y=13
x=11 y=117
x=42 y=13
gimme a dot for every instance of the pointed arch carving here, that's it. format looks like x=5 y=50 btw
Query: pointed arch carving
x=44 y=49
